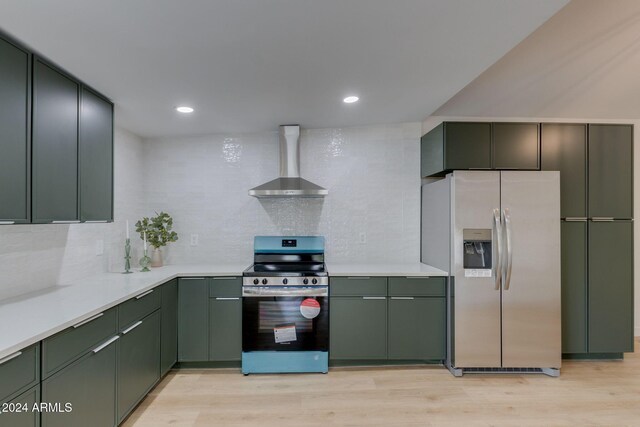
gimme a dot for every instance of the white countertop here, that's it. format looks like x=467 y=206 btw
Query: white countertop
x=410 y=269
x=27 y=319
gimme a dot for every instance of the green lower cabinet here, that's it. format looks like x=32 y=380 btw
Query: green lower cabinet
x=611 y=287
x=88 y=385
x=416 y=328
x=138 y=362
x=225 y=329
x=574 y=287
x=19 y=412
x=193 y=319
x=169 y=326
x=358 y=328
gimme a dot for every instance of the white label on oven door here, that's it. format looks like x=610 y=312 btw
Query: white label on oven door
x=477 y=272
x=284 y=333
x=310 y=308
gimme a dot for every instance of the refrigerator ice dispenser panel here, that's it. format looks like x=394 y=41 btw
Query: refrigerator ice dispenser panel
x=477 y=252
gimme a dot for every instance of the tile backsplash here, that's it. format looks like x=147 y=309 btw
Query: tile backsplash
x=371 y=215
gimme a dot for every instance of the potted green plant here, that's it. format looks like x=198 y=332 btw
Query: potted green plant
x=158 y=233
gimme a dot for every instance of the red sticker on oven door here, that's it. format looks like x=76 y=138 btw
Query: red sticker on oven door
x=310 y=308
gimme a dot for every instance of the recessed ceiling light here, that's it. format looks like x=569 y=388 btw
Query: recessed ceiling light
x=184 y=109
x=350 y=99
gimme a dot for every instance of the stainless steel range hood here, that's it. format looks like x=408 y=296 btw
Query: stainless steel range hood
x=289 y=184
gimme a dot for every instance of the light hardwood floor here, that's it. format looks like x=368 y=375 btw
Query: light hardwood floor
x=587 y=393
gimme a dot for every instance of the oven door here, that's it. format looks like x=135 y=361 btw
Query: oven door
x=280 y=319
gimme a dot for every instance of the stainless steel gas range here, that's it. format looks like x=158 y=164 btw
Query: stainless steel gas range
x=285 y=306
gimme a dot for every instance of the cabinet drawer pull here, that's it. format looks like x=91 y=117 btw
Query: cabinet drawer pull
x=10 y=357
x=7 y=222
x=359 y=278
x=144 y=294
x=75 y=221
x=602 y=219
x=575 y=219
x=90 y=319
x=374 y=297
x=416 y=277
x=224 y=278
x=227 y=298
x=479 y=169
x=96 y=221
x=405 y=298
x=105 y=344
x=132 y=327
x=192 y=278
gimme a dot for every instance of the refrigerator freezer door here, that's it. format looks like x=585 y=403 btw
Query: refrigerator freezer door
x=476 y=301
x=531 y=316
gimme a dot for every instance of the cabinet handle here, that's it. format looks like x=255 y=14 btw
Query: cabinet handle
x=479 y=169
x=416 y=277
x=66 y=222
x=227 y=299
x=224 y=278
x=96 y=221
x=105 y=344
x=9 y=357
x=7 y=222
x=192 y=278
x=406 y=298
x=602 y=219
x=374 y=297
x=575 y=219
x=359 y=278
x=132 y=327
x=144 y=294
x=90 y=319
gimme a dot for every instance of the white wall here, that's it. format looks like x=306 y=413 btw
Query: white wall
x=372 y=174
x=35 y=257
x=433 y=121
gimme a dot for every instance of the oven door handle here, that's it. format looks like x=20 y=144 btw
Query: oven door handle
x=272 y=291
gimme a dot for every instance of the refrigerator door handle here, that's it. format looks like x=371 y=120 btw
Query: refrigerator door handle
x=497 y=226
x=509 y=249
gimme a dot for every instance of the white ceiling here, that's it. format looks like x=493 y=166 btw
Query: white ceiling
x=583 y=63
x=250 y=65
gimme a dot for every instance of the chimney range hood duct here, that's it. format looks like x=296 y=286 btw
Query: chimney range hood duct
x=289 y=184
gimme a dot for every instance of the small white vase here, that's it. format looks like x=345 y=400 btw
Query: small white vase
x=156 y=257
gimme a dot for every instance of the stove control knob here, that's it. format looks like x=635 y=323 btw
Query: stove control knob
x=305 y=281
x=264 y=281
x=256 y=281
x=314 y=281
x=285 y=281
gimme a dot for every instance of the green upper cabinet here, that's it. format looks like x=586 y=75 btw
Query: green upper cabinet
x=96 y=157
x=611 y=171
x=55 y=145
x=15 y=107
x=610 y=287
x=516 y=146
x=564 y=149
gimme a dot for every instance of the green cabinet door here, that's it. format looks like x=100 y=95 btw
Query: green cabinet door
x=564 y=149
x=416 y=328
x=193 y=320
x=610 y=287
x=611 y=171
x=138 y=362
x=89 y=386
x=96 y=157
x=574 y=287
x=358 y=328
x=20 y=410
x=225 y=328
x=516 y=146
x=55 y=145
x=169 y=326
x=15 y=128
x=467 y=145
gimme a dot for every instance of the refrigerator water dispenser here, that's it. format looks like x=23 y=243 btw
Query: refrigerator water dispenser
x=477 y=252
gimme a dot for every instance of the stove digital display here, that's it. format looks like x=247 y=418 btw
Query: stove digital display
x=289 y=243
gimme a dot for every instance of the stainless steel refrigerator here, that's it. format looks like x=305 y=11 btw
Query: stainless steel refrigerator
x=498 y=235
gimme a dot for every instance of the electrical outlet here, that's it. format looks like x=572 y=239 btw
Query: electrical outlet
x=99 y=247
x=363 y=237
x=194 y=240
